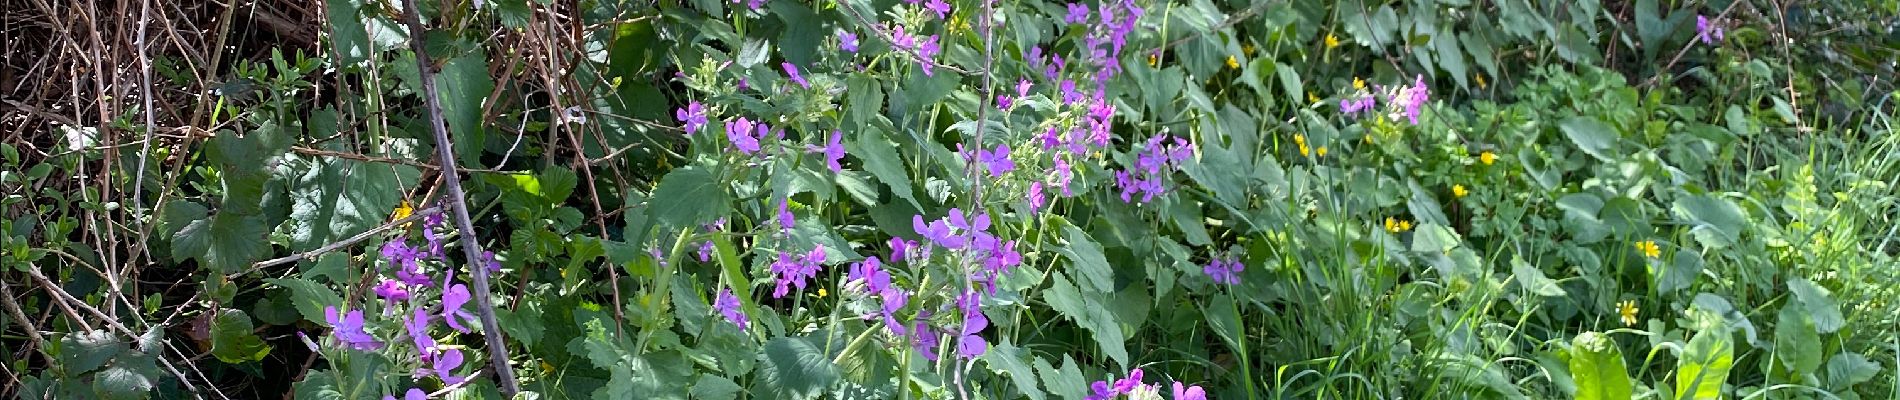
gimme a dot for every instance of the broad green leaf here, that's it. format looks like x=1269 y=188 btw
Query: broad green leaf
x=1433 y=238
x=226 y=242
x=1224 y=319
x=688 y=197
x=80 y=352
x=310 y=298
x=557 y=183
x=1596 y=365
x=1066 y=382
x=1797 y=345
x=126 y=379
x=1819 y=304
x=792 y=368
x=1716 y=222
x=1704 y=365
x=1089 y=313
x=1533 y=279
x=1681 y=272
x=1087 y=259
x=462 y=86
x=339 y=198
x=232 y=340
x=714 y=387
x=1592 y=136
x=347 y=36
x=180 y=215
x=1848 y=369
x=1007 y=359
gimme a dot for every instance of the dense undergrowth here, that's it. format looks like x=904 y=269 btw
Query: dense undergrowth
x=1135 y=199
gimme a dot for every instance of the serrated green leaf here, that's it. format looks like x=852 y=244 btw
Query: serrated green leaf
x=1066 y=382
x=557 y=183
x=1596 y=365
x=883 y=161
x=463 y=85
x=688 y=197
x=309 y=297
x=1592 y=136
x=1089 y=313
x=1224 y=319
x=85 y=351
x=1819 y=304
x=1007 y=359
x=1088 y=260
x=232 y=340
x=794 y=368
x=336 y=199
x=714 y=387
x=180 y=216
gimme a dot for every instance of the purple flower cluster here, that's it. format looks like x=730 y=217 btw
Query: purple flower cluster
x=876 y=282
x=969 y=345
x=848 y=41
x=348 y=329
x=1116 y=21
x=996 y=161
x=1152 y=165
x=1224 y=270
x=1410 y=99
x=741 y=132
x=793 y=271
x=791 y=71
x=833 y=151
x=755 y=5
x=1357 y=104
x=728 y=306
x=1135 y=389
x=969 y=234
x=693 y=116
x=1707 y=31
x=926 y=48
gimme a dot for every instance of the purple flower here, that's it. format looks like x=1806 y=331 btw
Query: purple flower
x=1022 y=87
x=938 y=232
x=1129 y=383
x=785 y=220
x=1707 y=32
x=418 y=326
x=875 y=280
x=1101 y=391
x=848 y=41
x=1035 y=197
x=1188 y=392
x=739 y=131
x=894 y=301
x=792 y=71
x=1224 y=270
x=392 y=290
x=407 y=261
x=705 y=251
x=488 y=260
x=1410 y=99
x=996 y=160
x=942 y=8
x=413 y=394
x=792 y=272
x=728 y=305
x=906 y=250
x=928 y=49
x=1078 y=13
x=833 y=150
x=754 y=4
x=925 y=340
x=1355 y=106
x=1069 y=95
x=452 y=300
x=693 y=115
x=349 y=329
x=1003 y=101
x=444 y=366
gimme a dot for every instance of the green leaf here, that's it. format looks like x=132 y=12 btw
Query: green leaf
x=462 y=86
x=1533 y=279
x=1088 y=260
x=688 y=197
x=350 y=40
x=1224 y=319
x=341 y=198
x=1597 y=367
x=882 y=160
x=714 y=387
x=1681 y=272
x=1705 y=365
x=1433 y=238
x=80 y=352
x=120 y=382
x=1089 y=313
x=232 y=340
x=1592 y=136
x=1007 y=359
x=180 y=215
x=1848 y=369
x=1797 y=345
x=1717 y=222
x=794 y=368
x=1066 y=382
x=310 y=298
x=227 y=242
x=1820 y=305
x=557 y=183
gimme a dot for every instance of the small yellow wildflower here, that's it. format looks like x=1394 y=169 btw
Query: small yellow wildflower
x=1153 y=59
x=1458 y=191
x=1648 y=248
x=1321 y=151
x=403 y=211
x=1332 y=41
x=1233 y=62
x=1487 y=157
x=1358 y=84
x=1304 y=151
x=1395 y=225
x=1310 y=98
x=822 y=293
x=1247 y=48
x=1481 y=83
x=1627 y=310
x=1298 y=138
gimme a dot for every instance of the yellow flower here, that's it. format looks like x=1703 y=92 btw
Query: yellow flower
x=1304 y=151
x=1321 y=151
x=1395 y=225
x=1481 y=83
x=1153 y=59
x=1233 y=62
x=1298 y=138
x=1247 y=48
x=1648 y=248
x=1487 y=157
x=1627 y=310
x=1459 y=191
x=1310 y=98
x=822 y=293
x=403 y=211
x=1332 y=41
x=1358 y=84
